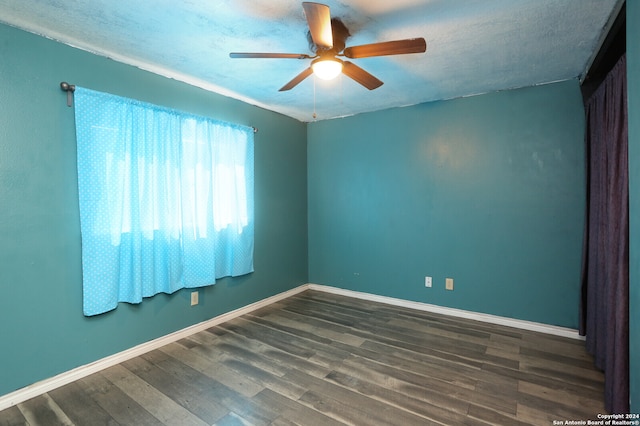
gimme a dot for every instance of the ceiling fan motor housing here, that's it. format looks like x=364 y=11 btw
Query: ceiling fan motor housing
x=340 y=34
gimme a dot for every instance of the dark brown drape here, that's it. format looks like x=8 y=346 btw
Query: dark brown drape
x=605 y=270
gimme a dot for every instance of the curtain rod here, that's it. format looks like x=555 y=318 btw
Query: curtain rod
x=70 y=88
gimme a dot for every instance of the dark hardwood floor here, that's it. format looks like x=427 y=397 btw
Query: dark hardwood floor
x=322 y=359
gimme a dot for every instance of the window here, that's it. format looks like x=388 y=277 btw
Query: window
x=166 y=199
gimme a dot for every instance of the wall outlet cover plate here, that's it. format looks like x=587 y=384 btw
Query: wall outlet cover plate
x=449 y=283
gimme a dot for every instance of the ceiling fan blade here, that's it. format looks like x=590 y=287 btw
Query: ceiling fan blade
x=297 y=79
x=319 y=21
x=269 y=55
x=361 y=76
x=398 y=47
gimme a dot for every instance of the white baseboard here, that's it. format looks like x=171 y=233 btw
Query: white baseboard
x=67 y=377
x=77 y=373
x=492 y=319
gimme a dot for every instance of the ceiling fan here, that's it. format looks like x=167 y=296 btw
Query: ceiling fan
x=327 y=40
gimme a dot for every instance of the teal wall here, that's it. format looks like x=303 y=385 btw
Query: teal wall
x=633 y=90
x=42 y=328
x=488 y=190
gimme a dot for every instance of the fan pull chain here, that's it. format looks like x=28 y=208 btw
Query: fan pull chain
x=314 y=98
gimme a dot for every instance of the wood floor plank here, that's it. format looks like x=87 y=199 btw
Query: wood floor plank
x=391 y=336
x=12 y=417
x=292 y=412
x=234 y=395
x=268 y=336
x=491 y=417
x=298 y=322
x=321 y=346
x=561 y=396
x=403 y=381
x=404 y=373
x=586 y=377
x=306 y=323
x=324 y=359
x=42 y=410
x=244 y=385
x=557 y=409
x=350 y=407
x=549 y=381
x=548 y=354
x=151 y=399
x=232 y=419
x=534 y=416
x=186 y=394
x=346 y=405
x=426 y=358
x=431 y=412
x=454 y=332
x=79 y=407
x=267 y=380
x=122 y=408
x=435 y=393
x=292 y=344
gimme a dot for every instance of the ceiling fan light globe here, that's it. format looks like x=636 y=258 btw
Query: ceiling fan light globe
x=327 y=69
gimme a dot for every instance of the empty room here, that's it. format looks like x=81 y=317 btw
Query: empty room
x=284 y=212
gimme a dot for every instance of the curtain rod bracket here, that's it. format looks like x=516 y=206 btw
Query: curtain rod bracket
x=69 y=88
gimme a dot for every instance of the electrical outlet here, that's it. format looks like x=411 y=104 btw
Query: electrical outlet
x=194 y=298
x=427 y=281
x=449 y=284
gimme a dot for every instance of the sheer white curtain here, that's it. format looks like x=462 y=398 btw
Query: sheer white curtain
x=166 y=199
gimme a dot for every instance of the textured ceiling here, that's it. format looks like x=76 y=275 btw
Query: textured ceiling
x=473 y=46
